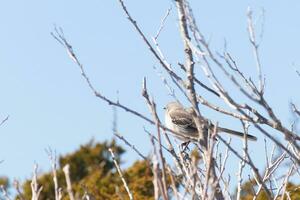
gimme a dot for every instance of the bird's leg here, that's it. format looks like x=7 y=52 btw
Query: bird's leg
x=185 y=146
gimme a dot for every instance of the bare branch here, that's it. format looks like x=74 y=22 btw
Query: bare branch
x=285 y=182
x=162 y=24
x=4 y=192
x=295 y=109
x=66 y=170
x=241 y=167
x=130 y=145
x=121 y=174
x=200 y=83
x=53 y=160
x=255 y=50
x=16 y=185
x=4 y=120
x=198 y=119
x=152 y=107
x=35 y=189
x=173 y=185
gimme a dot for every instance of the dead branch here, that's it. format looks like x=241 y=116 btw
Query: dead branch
x=121 y=174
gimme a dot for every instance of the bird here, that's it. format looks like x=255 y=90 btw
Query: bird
x=181 y=122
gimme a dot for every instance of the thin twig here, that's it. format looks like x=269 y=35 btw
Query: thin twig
x=16 y=185
x=4 y=192
x=59 y=36
x=286 y=181
x=152 y=107
x=121 y=174
x=295 y=109
x=53 y=160
x=4 y=120
x=130 y=145
x=198 y=119
x=35 y=189
x=255 y=50
x=162 y=24
x=173 y=185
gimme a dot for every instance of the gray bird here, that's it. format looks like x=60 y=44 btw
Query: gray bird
x=180 y=120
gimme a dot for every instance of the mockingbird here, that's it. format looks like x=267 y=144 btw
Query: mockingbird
x=180 y=120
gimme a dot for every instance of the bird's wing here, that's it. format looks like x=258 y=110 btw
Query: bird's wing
x=183 y=119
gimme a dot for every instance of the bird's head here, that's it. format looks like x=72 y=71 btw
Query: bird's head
x=173 y=105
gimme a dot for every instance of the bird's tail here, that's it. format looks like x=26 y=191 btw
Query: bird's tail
x=237 y=133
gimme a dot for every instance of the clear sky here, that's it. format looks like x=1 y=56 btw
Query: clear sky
x=51 y=106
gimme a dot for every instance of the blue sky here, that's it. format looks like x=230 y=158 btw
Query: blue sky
x=51 y=106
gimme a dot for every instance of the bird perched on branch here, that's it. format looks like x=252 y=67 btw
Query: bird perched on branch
x=180 y=121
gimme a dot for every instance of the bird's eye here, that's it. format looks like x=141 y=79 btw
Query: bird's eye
x=164 y=108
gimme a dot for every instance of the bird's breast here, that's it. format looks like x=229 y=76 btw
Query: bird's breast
x=168 y=122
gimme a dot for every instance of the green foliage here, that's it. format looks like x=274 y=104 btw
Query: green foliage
x=140 y=180
x=91 y=157
x=104 y=185
x=293 y=190
x=5 y=182
x=92 y=170
x=46 y=180
x=248 y=192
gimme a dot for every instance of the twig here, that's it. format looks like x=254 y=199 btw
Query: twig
x=130 y=145
x=286 y=181
x=222 y=169
x=210 y=164
x=275 y=123
x=53 y=160
x=296 y=70
x=59 y=36
x=4 y=192
x=116 y=133
x=152 y=107
x=86 y=195
x=35 y=189
x=166 y=84
x=162 y=24
x=199 y=82
x=66 y=170
x=155 y=139
x=189 y=65
x=156 y=180
x=260 y=180
x=255 y=50
x=295 y=109
x=173 y=185
x=121 y=174
x=240 y=172
x=4 y=120
x=17 y=187
x=152 y=50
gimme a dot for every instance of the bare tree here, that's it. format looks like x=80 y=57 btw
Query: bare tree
x=206 y=178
